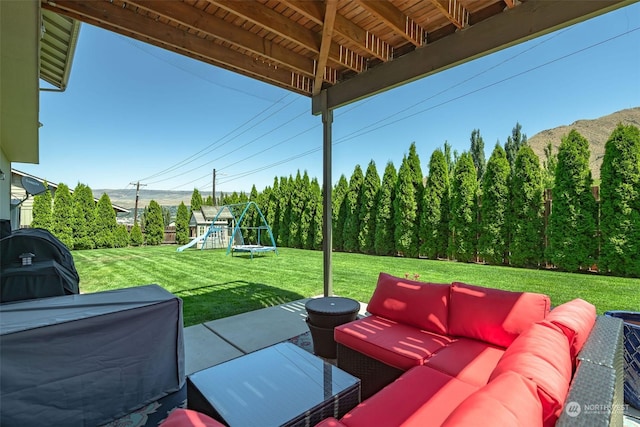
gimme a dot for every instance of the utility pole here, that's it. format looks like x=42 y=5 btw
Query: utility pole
x=135 y=211
x=214 y=188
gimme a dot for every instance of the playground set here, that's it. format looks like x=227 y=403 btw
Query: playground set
x=219 y=230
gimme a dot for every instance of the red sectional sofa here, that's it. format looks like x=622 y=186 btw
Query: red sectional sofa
x=457 y=354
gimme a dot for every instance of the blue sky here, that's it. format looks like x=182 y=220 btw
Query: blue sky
x=133 y=112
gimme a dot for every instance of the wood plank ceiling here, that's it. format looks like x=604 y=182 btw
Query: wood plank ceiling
x=306 y=46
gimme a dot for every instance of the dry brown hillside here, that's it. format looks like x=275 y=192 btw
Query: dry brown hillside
x=596 y=131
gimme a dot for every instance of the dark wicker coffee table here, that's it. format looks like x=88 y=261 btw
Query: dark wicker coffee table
x=281 y=385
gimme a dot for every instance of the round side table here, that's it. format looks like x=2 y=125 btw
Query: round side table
x=324 y=314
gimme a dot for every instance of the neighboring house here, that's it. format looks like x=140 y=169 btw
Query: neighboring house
x=22 y=202
x=201 y=221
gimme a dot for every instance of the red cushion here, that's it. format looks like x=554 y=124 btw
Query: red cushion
x=421 y=397
x=493 y=315
x=468 y=360
x=330 y=422
x=390 y=342
x=419 y=304
x=541 y=354
x=509 y=400
x=189 y=418
x=576 y=319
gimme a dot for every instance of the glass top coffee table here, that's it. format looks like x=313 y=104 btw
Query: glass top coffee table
x=281 y=385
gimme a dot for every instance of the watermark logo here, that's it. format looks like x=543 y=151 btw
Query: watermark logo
x=573 y=409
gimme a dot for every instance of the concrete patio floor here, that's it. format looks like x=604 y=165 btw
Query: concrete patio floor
x=215 y=342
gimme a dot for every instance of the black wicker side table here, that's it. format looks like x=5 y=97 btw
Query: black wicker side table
x=324 y=314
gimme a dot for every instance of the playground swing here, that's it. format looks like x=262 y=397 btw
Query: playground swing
x=237 y=239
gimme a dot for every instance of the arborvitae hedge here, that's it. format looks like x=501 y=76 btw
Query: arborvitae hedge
x=182 y=224
x=63 y=215
x=434 y=222
x=196 y=200
x=314 y=239
x=477 y=153
x=339 y=214
x=284 y=210
x=384 y=243
x=368 y=211
x=105 y=223
x=463 y=222
x=620 y=203
x=571 y=232
x=306 y=215
x=406 y=212
x=121 y=236
x=135 y=238
x=492 y=242
x=42 y=210
x=353 y=201
x=297 y=202
x=527 y=224
x=84 y=217
x=413 y=161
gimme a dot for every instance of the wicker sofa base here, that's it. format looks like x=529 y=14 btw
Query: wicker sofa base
x=373 y=374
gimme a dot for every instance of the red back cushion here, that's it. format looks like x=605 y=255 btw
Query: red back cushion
x=576 y=319
x=509 y=400
x=493 y=315
x=541 y=354
x=419 y=304
x=188 y=418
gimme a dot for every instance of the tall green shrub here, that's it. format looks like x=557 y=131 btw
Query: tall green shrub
x=571 y=232
x=353 y=200
x=527 y=223
x=135 y=237
x=406 y=212
x=434 y=223
x=153 y=224
x=463 y=209
x=121 y=236
x=620 y=206
x=273 y=209
x=307 y=212
x=182 y=224
x=42 y=210
x=492 y=242
x=516 y=140
x=62 y=218
x=105 y=223
x=477 y=153
x=196 y=200
x=286 y=186
x=339 y=214
x=384 y=243
x=413 y=161
x=370 y=188
x=84 y=217
x=314 y=239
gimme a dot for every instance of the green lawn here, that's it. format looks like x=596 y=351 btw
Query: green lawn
x=214 y=285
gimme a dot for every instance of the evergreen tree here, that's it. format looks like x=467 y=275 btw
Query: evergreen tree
x=182 y=224
x=463 y=223
x=284 y=210
x=450 y=157
x=384 y=243
x=273 y=210
x=513 y=144
x=549 y=166
x=492 y=242
x=416 y=173
x=296 y=205
x=406 y=212
x=620 y=206
x=84 y=217
x=62 y=218
x=209 y=201
x=135 y=238
x=42 y=210
x=434 y=222
x=105 y=223
x=196 y=200
x=121 y=236
x=353 y=200
x=477 y=153
x=166 y=216
x=153 y=224
x=527 y=223
x=307 y=212
x=314 y=240
x=339 y=214
x=368 y=204
x=572 y=224
x=252 y=219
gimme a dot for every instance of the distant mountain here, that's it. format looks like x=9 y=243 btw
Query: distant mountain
x=596 y=131
x=127 y=198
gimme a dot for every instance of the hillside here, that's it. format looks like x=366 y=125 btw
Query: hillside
x=127 y=198
x=596 y=131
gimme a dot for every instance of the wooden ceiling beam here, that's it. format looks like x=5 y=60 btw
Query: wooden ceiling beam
x=200 y=20
x=454 y=11
x=396 y=19
x=363 y=39
x=124 y=21
x=282 y=26
x=327 y=34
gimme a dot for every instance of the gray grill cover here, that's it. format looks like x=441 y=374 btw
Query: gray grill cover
x=85 y=360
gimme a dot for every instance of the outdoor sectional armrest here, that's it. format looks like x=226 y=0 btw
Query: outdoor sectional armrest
x=596 y=393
